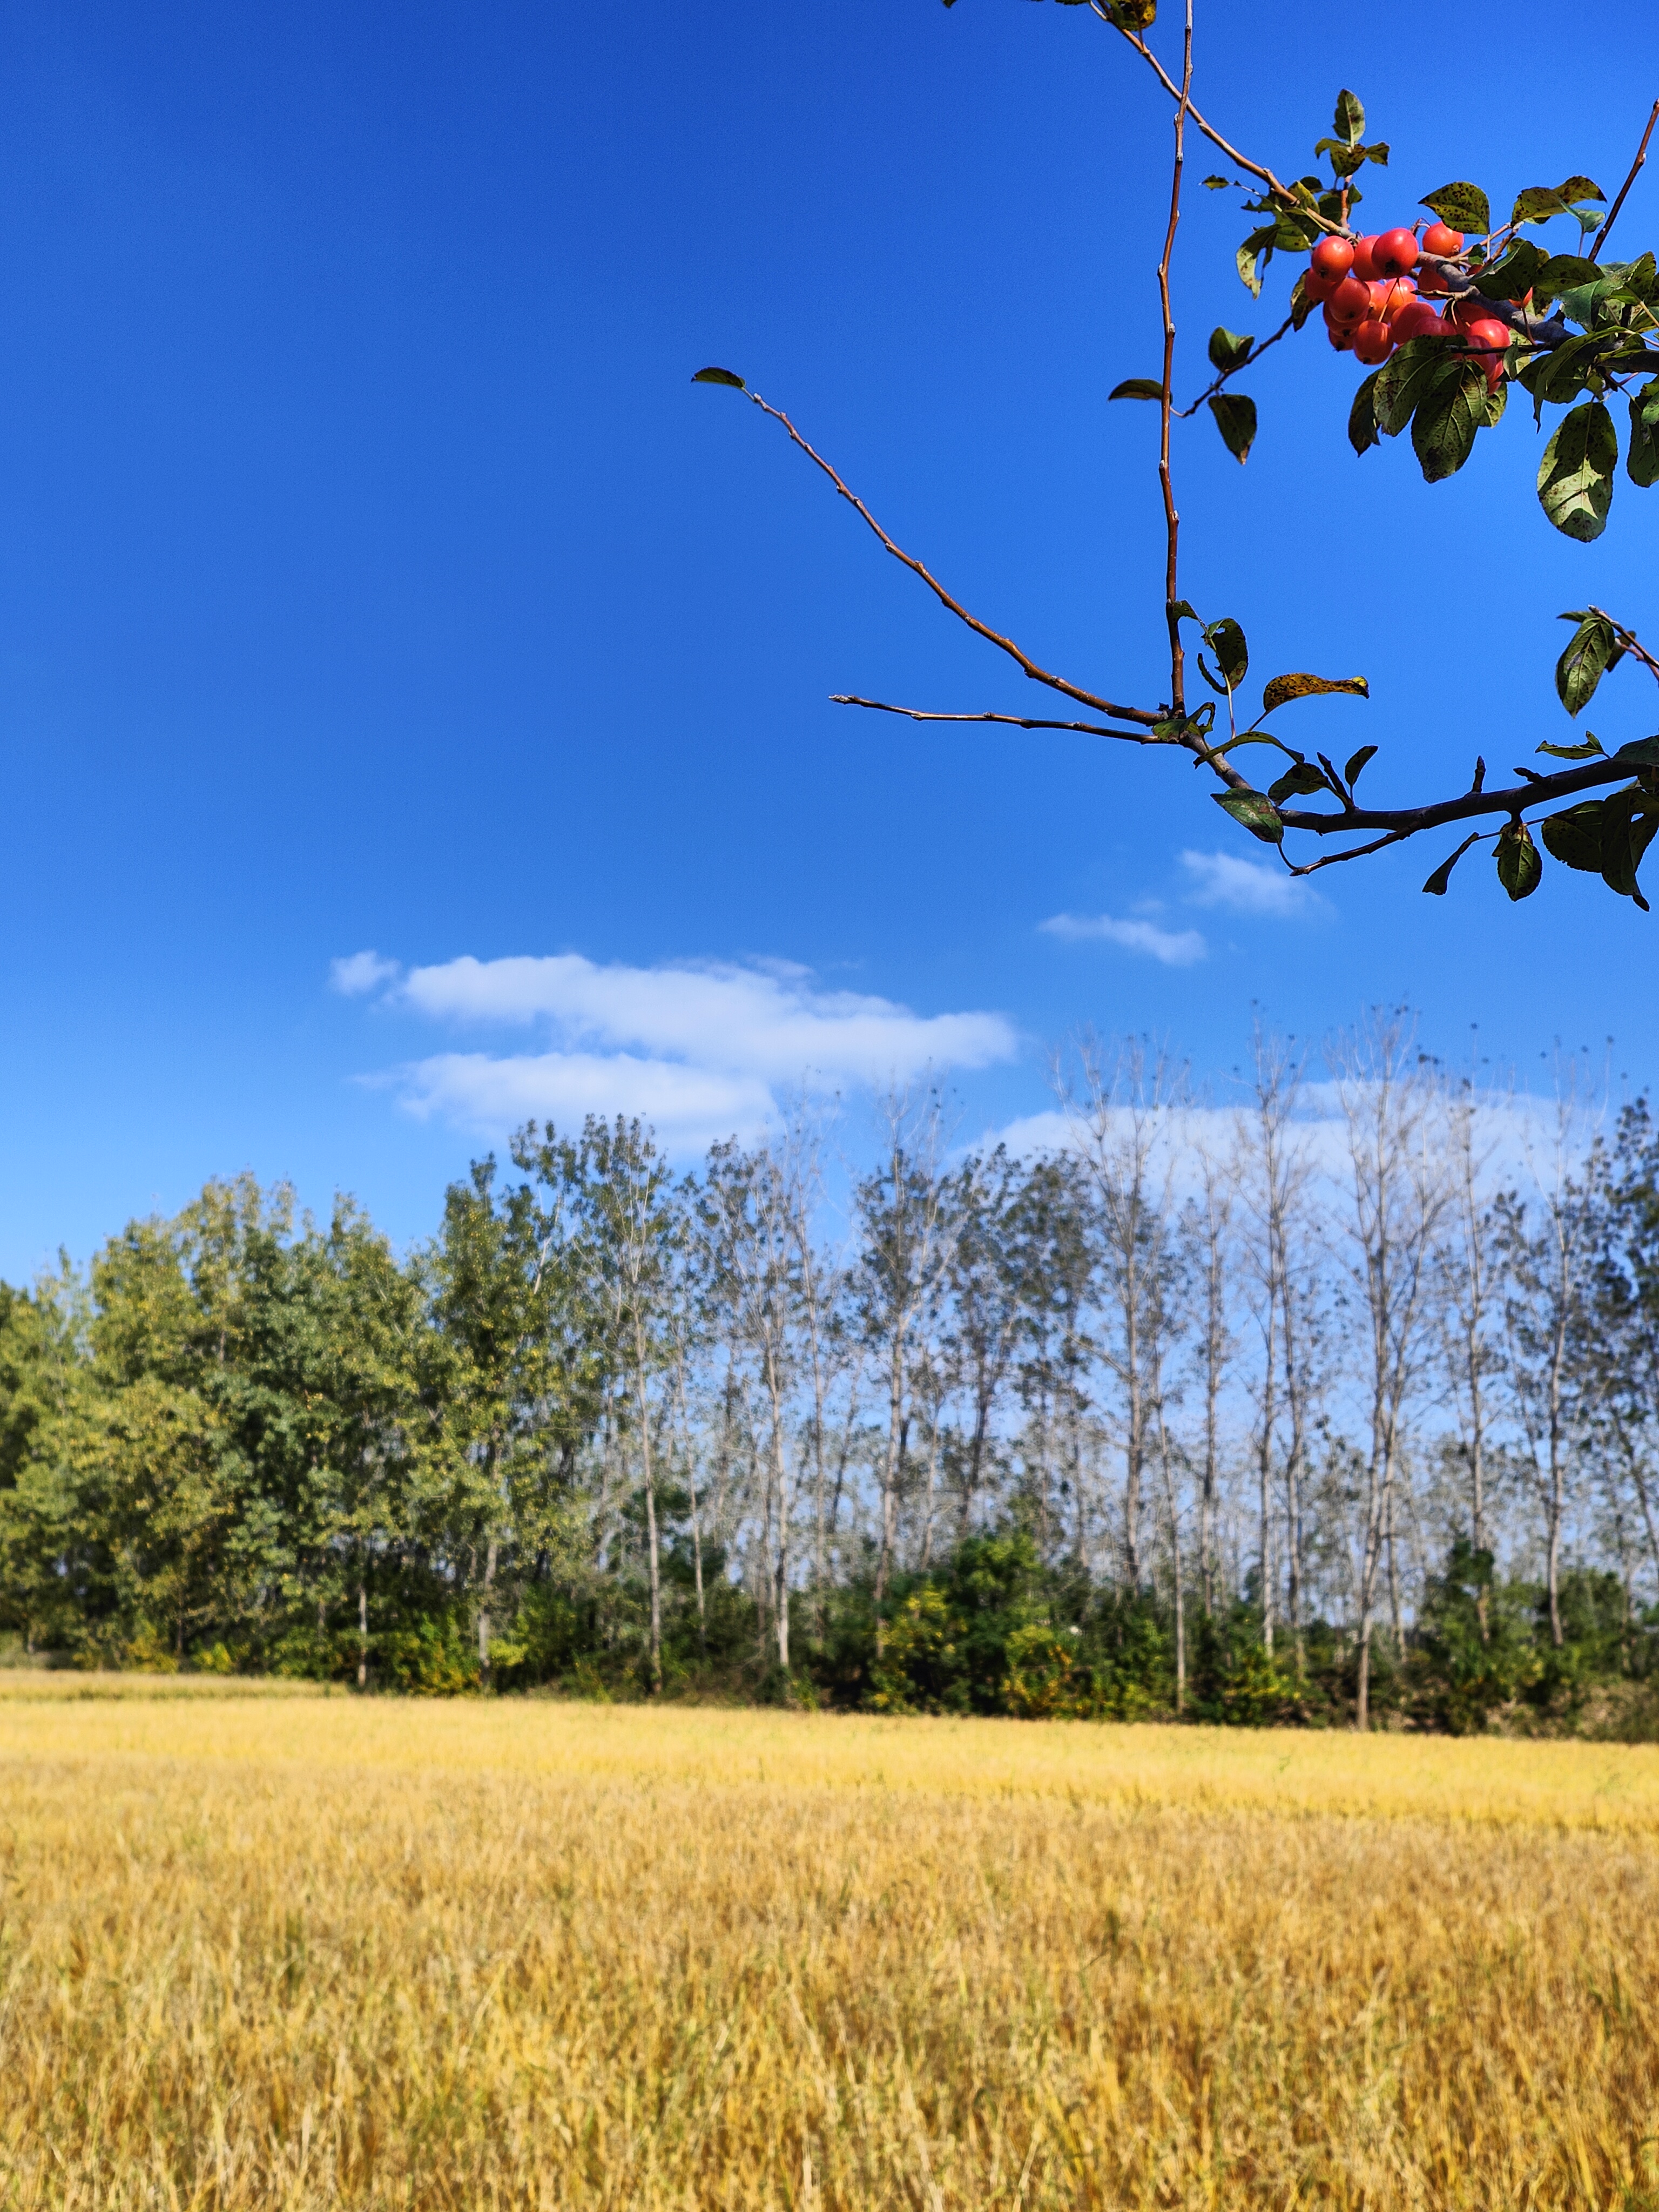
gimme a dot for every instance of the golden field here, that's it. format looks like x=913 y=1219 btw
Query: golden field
x=264 y=1947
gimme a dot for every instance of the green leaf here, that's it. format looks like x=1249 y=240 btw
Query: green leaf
x=1447 y=418
x=1516 y=275
x=1227 y=349
x=1217 y=183
x=1282 y=689
x=1235 y=417
x=1180 y=610
x=1591 y=650
x=1537 y=204
x=1226 y=640
x=1518 y=865
x=1629 y=819
x=1464 y=207
x=1137 y=388
x=1563 y=272
x=1575 y=481
x=1641 y=752
x=1252 y=257
x=1362 y=433
x=1540 y=202
x=1589 y=750
x=1575 y=838
x=1436 y=886
x=1299 y=781
x=720 y=376
x=1558 y=377
x=1350 y=122
x=1642 y=458
x=1344 y=159
x=1404 y=379
x=1498 y=398
x=1255 y=810
x=1356 y=764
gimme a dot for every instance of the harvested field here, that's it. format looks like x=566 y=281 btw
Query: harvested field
x=301 y=1950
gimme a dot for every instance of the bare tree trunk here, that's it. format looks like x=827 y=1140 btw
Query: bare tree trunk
x=1399 y=1193
x=1172 y=1506
x=648 y=1469
x=690 y=1452
x=362 y=1630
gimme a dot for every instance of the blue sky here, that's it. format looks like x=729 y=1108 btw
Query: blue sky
x=374 y=577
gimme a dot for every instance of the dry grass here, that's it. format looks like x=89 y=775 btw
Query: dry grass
x=291 y=1951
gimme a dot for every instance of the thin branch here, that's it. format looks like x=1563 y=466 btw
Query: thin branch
x=1628 y=638
x=1016 y=721
x=1354 y=852
x=1249 y=362
x=1612 y=212
x=1264 y=176
x=1037 y=674
x=1166 y=397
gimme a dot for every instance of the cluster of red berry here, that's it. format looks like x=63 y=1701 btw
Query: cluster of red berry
x=1373 y=303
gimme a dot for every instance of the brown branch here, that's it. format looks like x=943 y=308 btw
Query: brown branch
x=1017 y=721
x=1612 y=212
x=1354 y=852
x=1038 y=675
x=1166 y=397
x=1627 y=638
x=1249 y=362
x=1263 y=175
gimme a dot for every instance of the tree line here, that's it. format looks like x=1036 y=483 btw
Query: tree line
x=1337 y=1402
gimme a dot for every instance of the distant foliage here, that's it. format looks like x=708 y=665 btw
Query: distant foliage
x=1086 y=1435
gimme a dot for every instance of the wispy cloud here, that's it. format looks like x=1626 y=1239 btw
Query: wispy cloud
x=1175 y=948
x=1224 y=879
x=360 y=973
x=701 y=1049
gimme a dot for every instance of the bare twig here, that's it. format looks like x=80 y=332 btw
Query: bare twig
x=1354 y=852
x=1037 y=674
x=1017 y=721
x=1612 y=212
x=1166 y=398
x=1249 y=362
x=1628 y=639
x=1263 y=176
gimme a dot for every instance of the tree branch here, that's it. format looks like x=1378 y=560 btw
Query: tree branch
x=1612 y=212
x=1249 y=362
x=1264 y=176
x=1166 y=397
x=1016 y=721
x=1407 y=821
x=1038 y=675
x=1627 y=638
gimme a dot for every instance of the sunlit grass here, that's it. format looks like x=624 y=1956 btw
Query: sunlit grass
x=309 y=1950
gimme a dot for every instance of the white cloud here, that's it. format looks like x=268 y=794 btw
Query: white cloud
x=700 y=1049
x=1246 y=886
x=1175 y=948
x=360 y=973
x=688 y=1107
